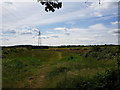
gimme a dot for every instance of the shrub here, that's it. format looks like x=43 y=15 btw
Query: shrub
x=102 y=53
x=109 y=80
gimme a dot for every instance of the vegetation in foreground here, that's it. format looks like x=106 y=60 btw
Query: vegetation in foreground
x=87 y=68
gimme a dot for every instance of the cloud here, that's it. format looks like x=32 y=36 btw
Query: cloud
x=66 y=1
x=87 y=34
x=55 y=36
x=71 y=22
x=26 y=30
x=85 y=39
x=115 y=32
x=9 y=32
x=18 y=32
x=49 y=32
x=116 y=22
x=36 y=17
x=60 y=28
x=8 y=7
x=35 y=29
x=98 y=14
x=67 y=33
x=26 y=33
x=73 y=35
x=77 y=29
x=4 y=39
x=8 y=3
x=98 y=35
x=97 y=27
x=103 y=6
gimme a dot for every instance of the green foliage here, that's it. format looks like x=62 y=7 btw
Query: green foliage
x=102 y=53
x=51 y=5
x=109 y=80
x=18 y=64
x=64 y=67
x=56 y=72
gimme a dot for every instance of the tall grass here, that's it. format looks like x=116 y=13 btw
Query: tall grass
x=65 y=69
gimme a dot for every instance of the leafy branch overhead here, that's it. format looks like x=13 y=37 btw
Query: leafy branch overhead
x=51 y=5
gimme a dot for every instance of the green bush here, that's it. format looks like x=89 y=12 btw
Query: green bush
x=102 y=53
x=109 y=80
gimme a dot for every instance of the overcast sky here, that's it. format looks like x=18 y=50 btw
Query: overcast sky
x=76 y=23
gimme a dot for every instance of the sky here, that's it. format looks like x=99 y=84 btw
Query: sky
x=76 y=23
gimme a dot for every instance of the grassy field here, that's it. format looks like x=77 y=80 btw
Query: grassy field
x=64 y=67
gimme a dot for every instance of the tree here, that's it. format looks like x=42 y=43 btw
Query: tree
x=51 y=5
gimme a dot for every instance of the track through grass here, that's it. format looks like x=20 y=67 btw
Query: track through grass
x=24 y=68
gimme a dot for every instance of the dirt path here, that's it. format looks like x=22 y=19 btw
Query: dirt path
x=38 y=80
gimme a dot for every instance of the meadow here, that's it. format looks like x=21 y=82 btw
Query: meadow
x=88 y=68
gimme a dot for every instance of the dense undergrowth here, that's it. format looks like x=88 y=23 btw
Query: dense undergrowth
x=105 y=52
x=108 y=80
